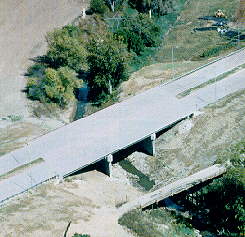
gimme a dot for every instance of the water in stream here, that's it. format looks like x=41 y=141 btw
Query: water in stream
x=143 y=180
x=82 y=99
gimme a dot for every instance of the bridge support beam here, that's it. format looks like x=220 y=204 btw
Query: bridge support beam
x=148 y=145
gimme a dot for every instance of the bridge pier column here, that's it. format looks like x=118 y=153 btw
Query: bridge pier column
x=109 y=160
x=148 y=145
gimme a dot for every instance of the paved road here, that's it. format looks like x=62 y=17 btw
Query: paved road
x=23 y=26
x=90 y=139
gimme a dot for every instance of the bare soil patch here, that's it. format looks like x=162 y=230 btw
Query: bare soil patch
x=88 y=200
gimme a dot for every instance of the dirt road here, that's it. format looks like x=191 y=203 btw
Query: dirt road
x=23 y=26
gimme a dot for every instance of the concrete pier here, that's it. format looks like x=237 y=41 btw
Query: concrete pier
x=148 y=145
x=109 y=160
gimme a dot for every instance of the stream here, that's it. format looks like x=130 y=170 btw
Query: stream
x=82 y=99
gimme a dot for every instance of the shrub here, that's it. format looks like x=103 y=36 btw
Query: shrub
x=134 y=221
x=114 y=5
x=56 y=86
x=225 y=200
x=216 y=50
x=224 y=197
x=80 y=235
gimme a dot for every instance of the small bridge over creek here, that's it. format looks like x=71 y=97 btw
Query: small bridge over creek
x=100 y=137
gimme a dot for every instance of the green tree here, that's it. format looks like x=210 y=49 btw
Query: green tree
x=158 y=7
x=65 y=48
x=107 y=61
x=98 y=6
x=56 y=86
x=139 y=32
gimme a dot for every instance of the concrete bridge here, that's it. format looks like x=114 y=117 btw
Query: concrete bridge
x=100 y=137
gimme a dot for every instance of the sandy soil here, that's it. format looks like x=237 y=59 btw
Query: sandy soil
x=87 y=200
x=23 y=26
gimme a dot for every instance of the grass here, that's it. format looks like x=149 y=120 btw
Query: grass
x=190 y=45
x=212 y=81
x=21 y=168
x=14 y=137
x=154 y=223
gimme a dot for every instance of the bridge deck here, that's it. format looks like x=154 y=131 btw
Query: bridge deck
x=90 y=139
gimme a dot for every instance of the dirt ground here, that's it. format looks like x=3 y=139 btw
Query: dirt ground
x=88 y=200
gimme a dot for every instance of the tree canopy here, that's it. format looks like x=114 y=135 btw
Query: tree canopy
x=107 y=62
x=65 y=48
x=139 y=32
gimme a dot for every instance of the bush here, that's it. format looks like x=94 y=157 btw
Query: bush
x=148 y=224
x=118 y=4
x=98 y=6
x=133 y=220
x=225 y=200
x=80 y=235
x=65 y=48
x=216 y=50
x=56 y=86
x=139 y=32
x=224 y=197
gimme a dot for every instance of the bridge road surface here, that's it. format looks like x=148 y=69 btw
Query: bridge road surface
x=91 y=139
